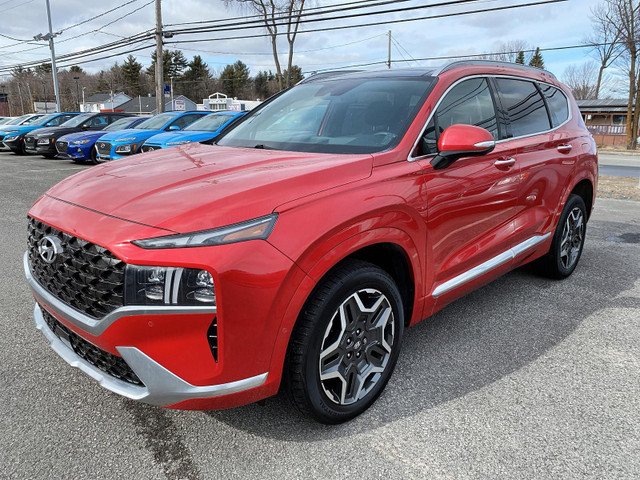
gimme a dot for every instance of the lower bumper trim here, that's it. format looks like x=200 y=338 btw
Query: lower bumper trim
x=162 y=387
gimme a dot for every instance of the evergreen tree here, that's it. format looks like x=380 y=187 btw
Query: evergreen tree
x=173 y=64
x=520 y=58
x=536 y=60
x=295 y=76
x=131 y=70
x=261 y=84
x=234 y=78
x=76 y=69
x=197 y=70
x=102 y=84
x=43 y=69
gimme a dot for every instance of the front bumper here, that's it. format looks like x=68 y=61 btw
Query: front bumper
x=161 y=386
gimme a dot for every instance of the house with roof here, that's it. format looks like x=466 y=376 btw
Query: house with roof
x=606 y=119
x=146 y=105
x=100 y=102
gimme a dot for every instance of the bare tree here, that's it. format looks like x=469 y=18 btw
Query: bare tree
x=508 y=51
x=582 y=80
x=623 y=17
x=604 y=41
x=275 y=13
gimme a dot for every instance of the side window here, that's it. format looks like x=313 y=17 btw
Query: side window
x=469 y=103
x=557 y=103
x=525 y=106
x=185 y=121
x=98 y=122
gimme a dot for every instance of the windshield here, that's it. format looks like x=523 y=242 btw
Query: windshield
x=44 y=119
x=120 y=124
x=156 y=123
x=29 y=120
x=77 y=121
x=209 y=123
x=354 y=115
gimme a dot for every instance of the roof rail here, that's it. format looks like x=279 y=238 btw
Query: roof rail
x=329 y=74
x=462 y=63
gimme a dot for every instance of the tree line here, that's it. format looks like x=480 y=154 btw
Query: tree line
x=192 y=78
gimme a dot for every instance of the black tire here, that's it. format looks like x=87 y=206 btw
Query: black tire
x=94 y=156
x=20 y=148
x=316 y=327
x=557 y=263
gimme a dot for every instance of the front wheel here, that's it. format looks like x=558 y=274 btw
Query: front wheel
x=346 y=343
x=568 y=241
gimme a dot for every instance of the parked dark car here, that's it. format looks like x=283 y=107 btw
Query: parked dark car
x=43 y=140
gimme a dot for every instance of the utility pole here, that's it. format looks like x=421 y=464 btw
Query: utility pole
x=389 y=57
x=172 y=104
x=159 y=60
x=53 y=60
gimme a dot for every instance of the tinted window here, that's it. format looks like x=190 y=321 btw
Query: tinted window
x=209 y=123
x=525 y=106
x=557 y=103
x=157 y=123
x=120 y=124
x=469 y=103
x=99 y=122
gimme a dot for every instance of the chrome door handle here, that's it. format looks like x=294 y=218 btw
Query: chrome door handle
x=565 y=148
x=505 y=163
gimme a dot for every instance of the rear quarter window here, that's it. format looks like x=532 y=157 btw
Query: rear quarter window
x=557 y=103
x=525 y=106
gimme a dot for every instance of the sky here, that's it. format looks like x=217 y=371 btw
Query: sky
x=553 y=25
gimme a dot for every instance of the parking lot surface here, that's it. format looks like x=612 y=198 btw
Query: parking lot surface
x=524 y=378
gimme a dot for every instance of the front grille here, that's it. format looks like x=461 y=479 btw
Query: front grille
x=62 y=147
x=30 y=142
x=150 y=148
x=85 y=276
x=110 y=364
x=212 y=338
x=103 y=148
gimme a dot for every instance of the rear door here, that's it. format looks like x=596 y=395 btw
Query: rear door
x=470 y=204
x=545 y=154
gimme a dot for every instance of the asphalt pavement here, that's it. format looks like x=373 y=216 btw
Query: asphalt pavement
x=524 y=378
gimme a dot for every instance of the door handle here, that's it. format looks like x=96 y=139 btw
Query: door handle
x=566 y=148
x=507 y=162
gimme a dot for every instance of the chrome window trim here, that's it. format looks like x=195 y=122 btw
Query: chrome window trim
x=95 y=326
x=489 y=265
x=411 y=158
x=161 y=386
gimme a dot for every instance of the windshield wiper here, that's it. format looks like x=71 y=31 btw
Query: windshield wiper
x=262 y=146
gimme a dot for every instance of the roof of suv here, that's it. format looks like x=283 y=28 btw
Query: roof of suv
x=421 y=72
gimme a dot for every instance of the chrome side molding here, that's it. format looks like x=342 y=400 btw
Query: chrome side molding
x=489 y=265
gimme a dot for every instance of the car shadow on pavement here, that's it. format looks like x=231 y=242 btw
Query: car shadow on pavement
x=470 y=344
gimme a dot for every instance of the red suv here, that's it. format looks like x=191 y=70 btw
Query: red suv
x=295 y=251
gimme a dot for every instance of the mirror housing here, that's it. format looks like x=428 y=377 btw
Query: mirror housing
x=460 y=141
x=173 y=127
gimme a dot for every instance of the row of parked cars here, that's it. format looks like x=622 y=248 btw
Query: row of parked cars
x=102 y=136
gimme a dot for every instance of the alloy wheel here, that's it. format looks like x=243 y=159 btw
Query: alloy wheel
x=357 y=346
x=572 y=238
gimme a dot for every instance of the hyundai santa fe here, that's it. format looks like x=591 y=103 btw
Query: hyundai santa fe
x=293 y=253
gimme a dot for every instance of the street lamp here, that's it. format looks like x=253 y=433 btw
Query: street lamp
x=83 y=104
x=77 y=91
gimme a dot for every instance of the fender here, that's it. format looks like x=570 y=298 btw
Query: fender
x=584 y=170
x=325 y=263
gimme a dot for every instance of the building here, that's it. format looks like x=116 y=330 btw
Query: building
x=606 y=120
x=104 y=102
x=219 y=101
x=147 y=105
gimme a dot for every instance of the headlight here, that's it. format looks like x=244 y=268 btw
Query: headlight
x=181 y=142
x=124 y=149
x=11 y=138
x=257 y=229
x=128 y=139
x=44 y=141
x=168 y=285
x=80 y=142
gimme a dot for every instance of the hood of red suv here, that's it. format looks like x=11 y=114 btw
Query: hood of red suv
x=198 y=187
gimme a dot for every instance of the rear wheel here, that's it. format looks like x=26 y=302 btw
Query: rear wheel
x=346 y=343
x=568 y=241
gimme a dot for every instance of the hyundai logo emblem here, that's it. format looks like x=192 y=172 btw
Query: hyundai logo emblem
x=49 y=247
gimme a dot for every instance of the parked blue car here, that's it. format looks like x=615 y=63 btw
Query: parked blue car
x=14 y=136
x=203 y=130
x=128 y=142
x=79 y=146
x=13 y=122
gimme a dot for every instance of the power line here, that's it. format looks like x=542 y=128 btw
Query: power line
x=98 y=16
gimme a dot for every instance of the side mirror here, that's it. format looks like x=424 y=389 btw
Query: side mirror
x=460 y=141
x=85 y=126
x=174 y=127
